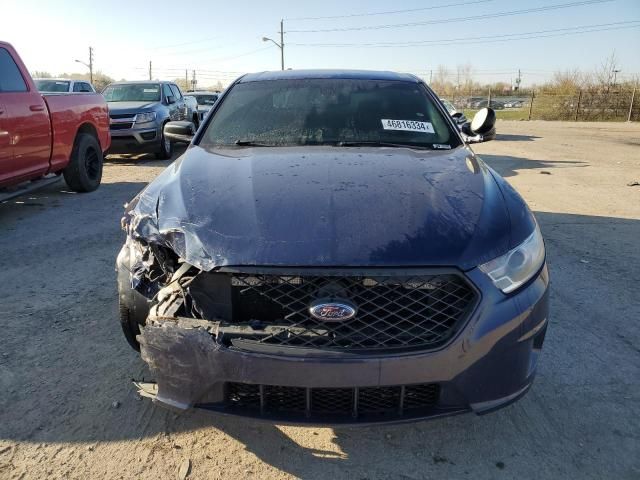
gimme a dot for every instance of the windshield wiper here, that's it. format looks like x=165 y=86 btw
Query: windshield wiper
x=375 y=143
x=250 y=143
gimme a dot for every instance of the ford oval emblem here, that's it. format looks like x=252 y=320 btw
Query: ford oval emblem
x=332 y=311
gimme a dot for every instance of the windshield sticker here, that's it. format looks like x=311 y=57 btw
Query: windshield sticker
x=441 y=146
x=150 y=90
x=407 y=125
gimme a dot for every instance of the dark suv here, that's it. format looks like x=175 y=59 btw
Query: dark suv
x=329 y=249
x=138 y=112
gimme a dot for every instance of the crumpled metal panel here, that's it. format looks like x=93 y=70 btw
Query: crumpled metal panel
x=324 y=206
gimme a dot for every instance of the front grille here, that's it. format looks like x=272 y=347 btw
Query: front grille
x=121 y=115
x=337 y=404
x=121 y=126
x=393 y=312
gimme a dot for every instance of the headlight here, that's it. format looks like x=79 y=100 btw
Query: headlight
x=145 y=117
x=517 y=266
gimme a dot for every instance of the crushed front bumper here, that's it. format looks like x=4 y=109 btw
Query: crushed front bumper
x=490 y=363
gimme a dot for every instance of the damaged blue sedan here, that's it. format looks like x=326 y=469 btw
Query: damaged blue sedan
x=330 y=250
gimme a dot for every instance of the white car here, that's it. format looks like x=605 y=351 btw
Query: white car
x=206 y=100
x=63 y=85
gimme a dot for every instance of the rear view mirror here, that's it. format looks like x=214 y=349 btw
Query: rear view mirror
x=171 y=99
x=179 y=132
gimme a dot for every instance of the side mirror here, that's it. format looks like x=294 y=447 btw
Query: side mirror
x=481 y=128
x=171 y=99
x=179 y=131
x=483 y=121
x=459 y=118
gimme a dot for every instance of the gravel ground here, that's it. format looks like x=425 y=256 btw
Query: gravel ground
x=68 y=409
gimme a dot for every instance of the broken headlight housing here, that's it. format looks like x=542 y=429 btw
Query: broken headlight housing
x=517 y=266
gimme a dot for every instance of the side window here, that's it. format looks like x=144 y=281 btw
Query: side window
x=77 y=87
x=167 y=91
x=86 y=87
x=176 y=92
x=10 y=78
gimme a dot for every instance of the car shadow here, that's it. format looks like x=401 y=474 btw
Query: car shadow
x=508 y=166
x=506 y=137
x=143 y=159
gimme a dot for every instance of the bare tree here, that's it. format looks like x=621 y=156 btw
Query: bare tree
x=605 y=73
x=41 y=74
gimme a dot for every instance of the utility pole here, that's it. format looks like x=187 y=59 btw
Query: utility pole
x=88 y=65
x=91 y=65
x=186 y=79
x=430 y=76
x=150 y=71
x=279 y=45
x=518 y=80
x=282 y=43
x=193 y=80
x=615 y=76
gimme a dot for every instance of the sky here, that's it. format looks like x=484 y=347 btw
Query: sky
x=221 y=40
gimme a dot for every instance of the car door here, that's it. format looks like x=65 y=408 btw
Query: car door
x=180 y=101
x=25 y=123
x=170 y=100
x=6 y=148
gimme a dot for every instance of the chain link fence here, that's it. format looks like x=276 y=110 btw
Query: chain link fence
x=616 y=105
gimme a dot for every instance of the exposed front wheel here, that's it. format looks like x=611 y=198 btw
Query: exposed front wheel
x=130 y=327
x=166 y=148
x=84 y=172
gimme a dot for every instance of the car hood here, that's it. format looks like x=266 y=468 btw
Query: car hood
x=130 y=107
x=324 y=206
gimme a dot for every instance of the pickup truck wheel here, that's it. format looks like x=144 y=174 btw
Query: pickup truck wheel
x=84 y=172
x=166 y=148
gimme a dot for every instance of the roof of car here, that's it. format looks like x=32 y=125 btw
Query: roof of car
x=60 y=79
x=127 y=82
x=202 y=92
x=339 y=74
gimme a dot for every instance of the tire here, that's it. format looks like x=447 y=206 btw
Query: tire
x=130 y=327
x=84 y=172
x=166 y=148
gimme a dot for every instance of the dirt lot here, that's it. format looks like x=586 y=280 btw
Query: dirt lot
x=69 y=410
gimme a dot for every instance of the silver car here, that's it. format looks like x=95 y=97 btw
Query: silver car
x=63 y=85
x=206 y=100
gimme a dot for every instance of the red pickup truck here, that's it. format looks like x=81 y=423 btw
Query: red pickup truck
x=43 y=136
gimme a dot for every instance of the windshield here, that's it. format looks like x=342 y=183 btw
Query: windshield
x=206 y=99
x=52 y=85
x=342 y=112
x=449 y=106
x=132 y=92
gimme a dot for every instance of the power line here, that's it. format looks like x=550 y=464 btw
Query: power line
x=489 y=38
x=455 y=19
x=390 y=12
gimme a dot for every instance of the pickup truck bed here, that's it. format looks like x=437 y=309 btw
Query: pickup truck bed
x=48 y=134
